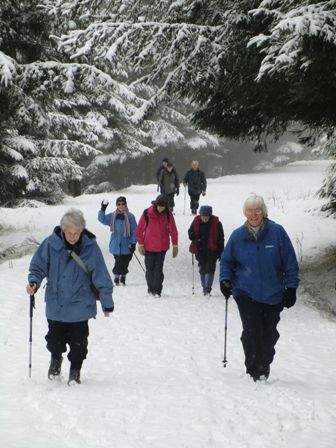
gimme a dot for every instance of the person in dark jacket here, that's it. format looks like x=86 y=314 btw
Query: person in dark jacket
x=155 y=230
x=197 y=184
x=70 y=293
x=169 y=184
x=207 y=243
x=163 y=166
x=259 y=268
x=122 y=225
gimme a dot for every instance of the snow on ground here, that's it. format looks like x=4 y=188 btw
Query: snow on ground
x=154 y=375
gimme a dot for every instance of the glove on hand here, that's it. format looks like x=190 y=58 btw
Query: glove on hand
x=141 y=249
x=104 y=204
x=132 y=247
x=177 y=192
x=175 y=251
x=226 y=289
x=203 y=193
x=289 y=297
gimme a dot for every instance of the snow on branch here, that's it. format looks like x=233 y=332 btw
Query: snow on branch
x=7 y=69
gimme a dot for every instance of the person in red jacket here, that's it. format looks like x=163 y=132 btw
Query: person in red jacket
x=207 y=243
x=155 y=229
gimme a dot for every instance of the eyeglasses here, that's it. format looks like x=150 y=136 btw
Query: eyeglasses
x=250 y=211
x=121 y=203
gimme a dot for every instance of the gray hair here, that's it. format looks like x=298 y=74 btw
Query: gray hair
x=75 y=217
x=254 y=199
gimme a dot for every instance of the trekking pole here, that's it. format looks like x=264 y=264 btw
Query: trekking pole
x=193 y=273
x=225 y=332
x=184 y=200
x=139 y=262
x=31 y=308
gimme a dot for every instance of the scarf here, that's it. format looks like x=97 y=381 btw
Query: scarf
x=127 y=226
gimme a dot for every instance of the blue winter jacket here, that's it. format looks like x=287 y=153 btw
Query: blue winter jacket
x=118 y=242
x=69 y=296
x=261 y=269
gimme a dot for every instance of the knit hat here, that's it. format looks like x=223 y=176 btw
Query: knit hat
x=161 y=200
x=205 y=210
x=165 y=159
x=121 y=199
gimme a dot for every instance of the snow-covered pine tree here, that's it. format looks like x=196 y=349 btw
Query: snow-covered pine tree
x=253 y=68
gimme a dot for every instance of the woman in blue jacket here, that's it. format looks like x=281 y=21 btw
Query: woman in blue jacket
x=71 y=261
x=259 y=268
x=122 y=225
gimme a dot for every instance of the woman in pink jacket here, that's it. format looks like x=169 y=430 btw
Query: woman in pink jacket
x=154 y=231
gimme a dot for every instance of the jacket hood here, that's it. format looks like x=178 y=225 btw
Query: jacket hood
x=57 y=238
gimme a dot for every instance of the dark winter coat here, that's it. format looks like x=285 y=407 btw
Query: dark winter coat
x=169 y=182
x=196 y=181
x=155 y=234
x=118 y=242
x=260 y=269
x=69 y=295
x=206 y=236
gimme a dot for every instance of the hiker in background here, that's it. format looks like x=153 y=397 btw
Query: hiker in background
x=70 y=291
x=169 y=184
x=259 y=268
x=196 y=181
x=207 y=243
x=122 y=225
x=163 y=166
x=155 y=230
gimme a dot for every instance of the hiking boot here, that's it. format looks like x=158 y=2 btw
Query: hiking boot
x=116 y=280
x=74 y=376
x=55 y=367
x=123 y=280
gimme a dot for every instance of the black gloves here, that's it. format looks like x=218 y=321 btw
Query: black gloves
x=177 y=192
x=132 y=247
x=104 y=204
x=225 y=287
x=289 y=297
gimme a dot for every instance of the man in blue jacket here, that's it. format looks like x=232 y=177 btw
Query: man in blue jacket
x=259 y=268
x=71 y=261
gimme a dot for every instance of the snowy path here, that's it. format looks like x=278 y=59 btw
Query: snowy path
x=154 y=375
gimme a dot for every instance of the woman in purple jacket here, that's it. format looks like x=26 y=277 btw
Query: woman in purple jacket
x=259 y=268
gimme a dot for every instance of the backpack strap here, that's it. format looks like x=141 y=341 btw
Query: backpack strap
x=83 y=266
x=147 y=219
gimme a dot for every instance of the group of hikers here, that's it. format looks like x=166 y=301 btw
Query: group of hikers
x=258 y=267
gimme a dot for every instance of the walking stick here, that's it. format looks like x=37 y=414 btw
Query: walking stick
x=225 y=332
x=31 y=308
x=184 y=200
x=139 y=262
x=193 y=273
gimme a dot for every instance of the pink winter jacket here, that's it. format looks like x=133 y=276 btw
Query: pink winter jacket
x=155 y=235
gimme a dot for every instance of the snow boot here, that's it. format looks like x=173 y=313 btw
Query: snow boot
x=116 y=280
x=123 y=280
x=74 y=376
x=55 y=367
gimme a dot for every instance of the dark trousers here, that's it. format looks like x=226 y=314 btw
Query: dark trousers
x=121 y=264
x=154 y=270
x=171 y=202
x=259 y=334
x=75 y=334
x=194 y=201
